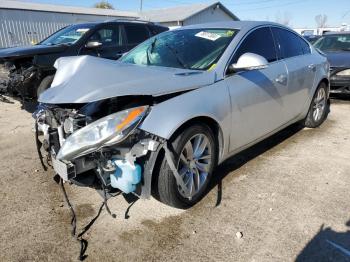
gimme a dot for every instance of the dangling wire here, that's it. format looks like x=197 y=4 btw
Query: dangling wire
x=105 y=198
x=83 y=242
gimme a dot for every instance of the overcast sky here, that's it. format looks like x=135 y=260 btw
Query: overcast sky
x=300 y=13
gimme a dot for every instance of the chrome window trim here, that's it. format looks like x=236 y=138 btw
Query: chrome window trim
x=296 y=34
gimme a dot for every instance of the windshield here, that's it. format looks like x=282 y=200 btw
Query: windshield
x=68 y=35
x=190 y=48
x=333 y=43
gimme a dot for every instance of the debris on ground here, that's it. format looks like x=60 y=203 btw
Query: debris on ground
x=239 y=235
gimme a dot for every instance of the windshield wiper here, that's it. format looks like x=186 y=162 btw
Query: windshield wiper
x=175 y=53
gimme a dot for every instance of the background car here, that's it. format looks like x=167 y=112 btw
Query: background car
x=31 y=69
x=312 y=38
x=162 y=117
x=336 y=46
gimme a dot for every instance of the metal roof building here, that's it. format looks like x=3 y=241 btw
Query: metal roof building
x=23 y=23
x=189 y=14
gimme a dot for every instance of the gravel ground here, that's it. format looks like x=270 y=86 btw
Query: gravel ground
x=288 y=196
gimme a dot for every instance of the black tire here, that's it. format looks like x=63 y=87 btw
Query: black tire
x=310 y=120
x=167 y=190
x=44 y=84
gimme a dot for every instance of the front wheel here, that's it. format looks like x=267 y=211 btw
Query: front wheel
x=44 y=84
x=195 y=154
x=319 y=107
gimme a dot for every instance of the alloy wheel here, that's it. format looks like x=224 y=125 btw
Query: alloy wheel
x=319 y=104
x=194 y=164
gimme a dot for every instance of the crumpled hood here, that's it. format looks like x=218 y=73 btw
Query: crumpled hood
x=339 y=59
x=85 y=79
x=24 y=51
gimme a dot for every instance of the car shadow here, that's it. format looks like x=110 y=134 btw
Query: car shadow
x=29 y=106
x=264 y=83
x=245 y=156
x=327 y=245
x=339 y=97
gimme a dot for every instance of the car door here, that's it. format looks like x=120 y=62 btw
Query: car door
x=112 y=45
x=136 y=34
x=301 y=66
x=257 y=96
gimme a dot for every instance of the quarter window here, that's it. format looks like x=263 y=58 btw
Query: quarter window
x=290 y=44
x=136 y=33
x=259 y=42
x=304 y=46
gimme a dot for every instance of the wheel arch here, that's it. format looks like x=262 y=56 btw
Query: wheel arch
x=208 y=121
x=326 y=81
x=212 y=124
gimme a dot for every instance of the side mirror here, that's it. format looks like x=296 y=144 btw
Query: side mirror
x=250 y=61
x=93 y=44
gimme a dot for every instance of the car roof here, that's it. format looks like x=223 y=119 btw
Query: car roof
x=117 y=21
x=338 y=33
x=240 y=25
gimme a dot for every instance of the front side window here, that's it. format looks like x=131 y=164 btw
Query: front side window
x=190 y=48
x=289 y=43
x=106 y=36
x=259 y=42
x=329 y=43
x=68 y=35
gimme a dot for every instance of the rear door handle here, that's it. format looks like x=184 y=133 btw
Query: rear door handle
x=281 y=79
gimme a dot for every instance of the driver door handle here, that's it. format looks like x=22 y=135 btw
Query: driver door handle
x=281 y=79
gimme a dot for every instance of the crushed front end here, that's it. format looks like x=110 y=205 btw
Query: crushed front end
x=20 y=77
x=99 y=144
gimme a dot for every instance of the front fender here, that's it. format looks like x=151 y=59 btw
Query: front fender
x=211 y=101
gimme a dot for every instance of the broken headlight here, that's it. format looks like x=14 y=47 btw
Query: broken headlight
x=105 y=131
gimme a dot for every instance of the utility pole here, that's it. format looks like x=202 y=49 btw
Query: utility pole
x=140 y=5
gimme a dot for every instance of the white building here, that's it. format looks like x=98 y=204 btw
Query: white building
x=189 y=14
x=322 y=30
x=24 y=23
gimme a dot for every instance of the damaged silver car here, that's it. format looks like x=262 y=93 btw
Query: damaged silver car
x=160 y=119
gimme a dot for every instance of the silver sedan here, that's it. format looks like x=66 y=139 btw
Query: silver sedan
x=162 y=117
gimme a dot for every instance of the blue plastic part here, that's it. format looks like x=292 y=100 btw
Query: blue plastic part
x=126 y=176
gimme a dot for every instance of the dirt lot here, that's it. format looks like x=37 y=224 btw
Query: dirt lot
x=289 y=196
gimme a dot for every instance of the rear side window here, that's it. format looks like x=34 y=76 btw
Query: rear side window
x=304 y=46
x=290 y=44
x=136 y=33
x=259 y=42
x=157 y=29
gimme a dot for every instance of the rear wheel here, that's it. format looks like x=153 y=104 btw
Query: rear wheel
x=45 y=84
x=319 y=107
x=195 y=156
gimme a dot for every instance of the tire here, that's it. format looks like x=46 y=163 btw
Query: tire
x=320 y=102
x=44 y=84
x=167 y=189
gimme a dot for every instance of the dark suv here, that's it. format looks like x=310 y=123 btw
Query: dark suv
x=31 y=69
